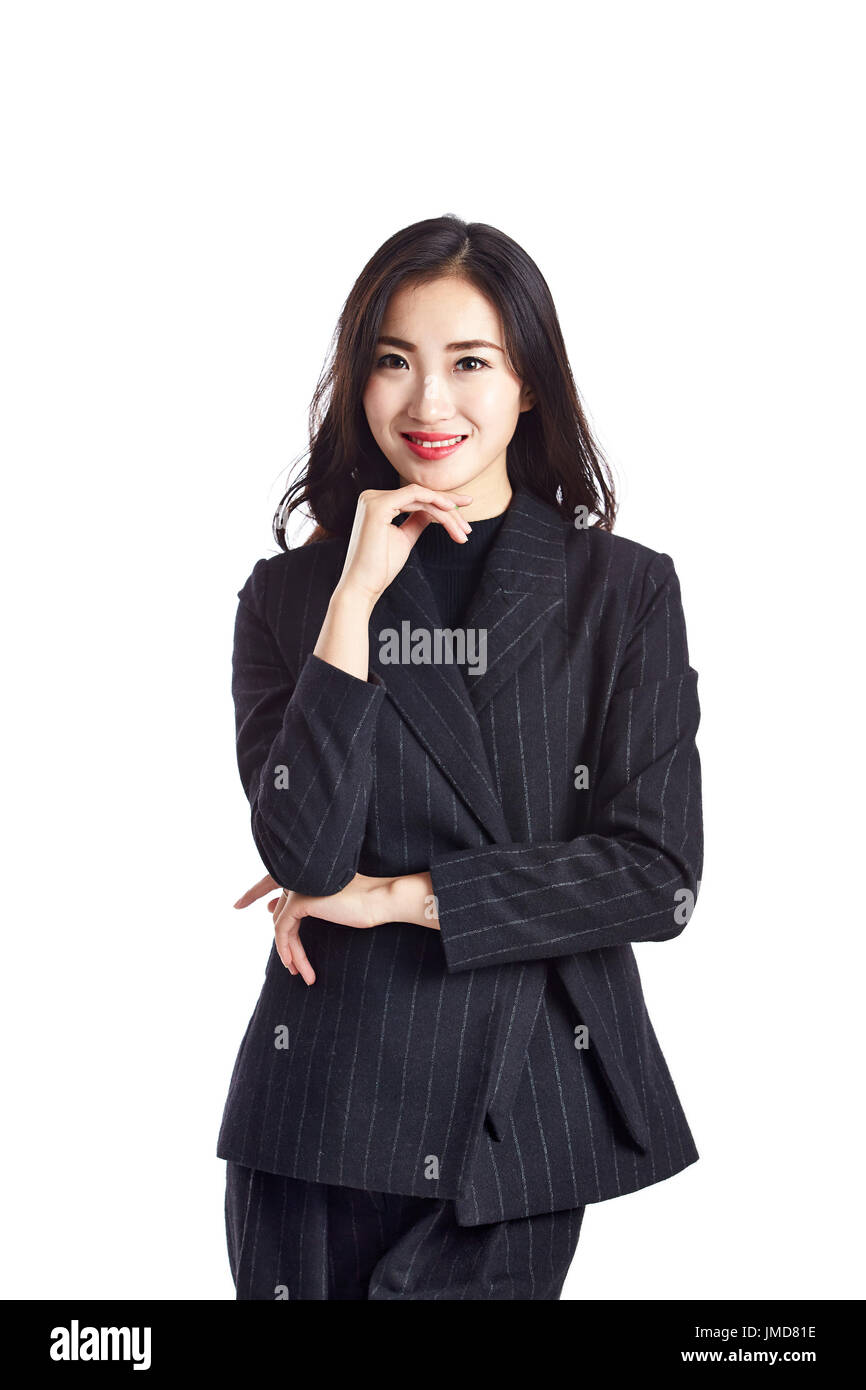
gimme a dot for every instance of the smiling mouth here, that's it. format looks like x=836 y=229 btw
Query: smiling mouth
x=434 y=441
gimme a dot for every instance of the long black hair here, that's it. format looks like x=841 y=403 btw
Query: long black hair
x=552 y=452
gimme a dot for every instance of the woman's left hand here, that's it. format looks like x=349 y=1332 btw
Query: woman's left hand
x=364 y=902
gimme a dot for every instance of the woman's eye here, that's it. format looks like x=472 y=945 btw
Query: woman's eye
x=393 y=358
x=474 y=359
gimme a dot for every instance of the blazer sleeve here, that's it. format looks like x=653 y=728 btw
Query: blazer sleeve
x=635 y=875
x=303 y=750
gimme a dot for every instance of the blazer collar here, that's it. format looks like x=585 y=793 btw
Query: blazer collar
x=521 y=592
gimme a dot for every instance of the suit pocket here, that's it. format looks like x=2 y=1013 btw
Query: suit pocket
x=603 y=1047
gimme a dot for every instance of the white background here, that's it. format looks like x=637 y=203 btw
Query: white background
x=190 y=190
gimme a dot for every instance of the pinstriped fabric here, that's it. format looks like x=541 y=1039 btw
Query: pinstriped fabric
x=289 y=1239
x=566 y=1139
x=615 y=885
x=443 y=1064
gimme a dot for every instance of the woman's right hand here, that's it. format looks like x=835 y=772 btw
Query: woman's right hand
x=378 y=550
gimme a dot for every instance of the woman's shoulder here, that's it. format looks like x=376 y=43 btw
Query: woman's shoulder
x=607 y=554
x=303 y=568
x=588 y=549
x=618 y=578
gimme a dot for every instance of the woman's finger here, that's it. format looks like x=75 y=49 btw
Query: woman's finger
x=258 y=890
x=294 y=957
x=290 y=950
x=299 y=957
x=417 y=492
x=283 y=943
x=281 y=909
x=444 y=506
x=452 y=521
x=437 y=513
x=289 y=961
x=434 y=508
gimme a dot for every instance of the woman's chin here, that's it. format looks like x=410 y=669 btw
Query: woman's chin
x=438 y=476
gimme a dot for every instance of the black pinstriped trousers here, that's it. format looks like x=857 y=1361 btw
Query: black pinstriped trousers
x=291 y=1239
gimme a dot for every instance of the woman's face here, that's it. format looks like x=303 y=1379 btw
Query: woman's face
x=440 y=369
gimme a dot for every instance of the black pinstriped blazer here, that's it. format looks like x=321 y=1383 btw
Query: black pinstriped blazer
x=453 y=1063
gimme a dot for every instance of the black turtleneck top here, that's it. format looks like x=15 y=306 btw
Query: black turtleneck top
x=453 y=570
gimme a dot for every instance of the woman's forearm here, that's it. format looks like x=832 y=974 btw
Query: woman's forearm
x=344 y=639
x=407 y=898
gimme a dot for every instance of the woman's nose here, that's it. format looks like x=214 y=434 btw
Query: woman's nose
x=431 y=398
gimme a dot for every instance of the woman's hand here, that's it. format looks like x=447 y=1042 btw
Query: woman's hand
x=378 y=551
x=364 y=902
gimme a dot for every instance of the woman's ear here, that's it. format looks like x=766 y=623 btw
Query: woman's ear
x=527 y=398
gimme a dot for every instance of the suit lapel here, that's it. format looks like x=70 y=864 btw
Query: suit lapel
x=521 y=591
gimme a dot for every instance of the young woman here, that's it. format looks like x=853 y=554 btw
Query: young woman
x=466 y=727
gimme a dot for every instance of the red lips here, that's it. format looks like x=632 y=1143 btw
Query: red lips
x=428 y=454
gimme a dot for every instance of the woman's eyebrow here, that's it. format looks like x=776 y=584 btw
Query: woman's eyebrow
x=449 y=347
